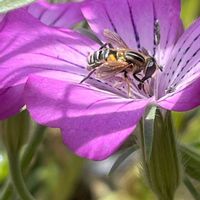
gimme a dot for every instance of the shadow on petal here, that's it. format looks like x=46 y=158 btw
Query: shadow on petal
x=94 y=123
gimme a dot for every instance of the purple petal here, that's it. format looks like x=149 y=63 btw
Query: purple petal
x=94 y=123
x=184 y=100
x=1 y=17
x=171 y=27
x=184 y=64
x=63 y=15
x=134 y=20
x=11 y=101
x=42 y=49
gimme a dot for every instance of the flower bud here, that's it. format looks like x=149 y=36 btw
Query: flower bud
x=163 y=168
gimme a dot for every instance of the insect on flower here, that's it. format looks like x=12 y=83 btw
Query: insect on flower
x=44 y=68
x=109 y=61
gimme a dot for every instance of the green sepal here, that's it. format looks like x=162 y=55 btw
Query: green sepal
x=163 y=171
x=191 y=161
x=125 y=154
x=7 y=5
x=148 y=131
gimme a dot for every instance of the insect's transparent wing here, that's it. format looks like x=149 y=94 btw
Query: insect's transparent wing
x=114 y=39
x=110 y=69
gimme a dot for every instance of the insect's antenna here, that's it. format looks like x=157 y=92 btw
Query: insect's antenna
x=88 y=76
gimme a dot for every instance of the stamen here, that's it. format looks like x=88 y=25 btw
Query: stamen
x=156 y=48
x=156 y=35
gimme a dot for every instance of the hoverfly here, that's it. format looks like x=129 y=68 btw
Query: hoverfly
x=108 y=61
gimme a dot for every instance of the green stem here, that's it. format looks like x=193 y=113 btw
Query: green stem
x=32 y=146
x=27 y=155
x=17 y=178
x=6 y=191
x=191 y=188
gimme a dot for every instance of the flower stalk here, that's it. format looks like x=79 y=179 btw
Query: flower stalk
x=162 y=169
x=14 y=135
x=17 y=178
x=27 y=155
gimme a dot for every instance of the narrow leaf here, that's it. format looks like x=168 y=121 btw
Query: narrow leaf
x=191 y=161
x=126 y=153
x=191 y=188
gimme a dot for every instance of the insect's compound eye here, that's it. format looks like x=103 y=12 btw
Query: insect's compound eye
x=151 y=63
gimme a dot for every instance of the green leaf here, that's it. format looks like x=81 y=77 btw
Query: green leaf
x=7 y=5
x=191 y=161
x=190 y=11
x=183 y=120
x=125 y=154
x=149 y=131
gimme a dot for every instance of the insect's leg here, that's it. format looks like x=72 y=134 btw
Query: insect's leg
x=141 y=86
x=134 y=75
x=144 y=79
x=110 y=45
x=128 y=82
x=106 y=45
x=88 y=76
x=103 y=46
x=144 y=51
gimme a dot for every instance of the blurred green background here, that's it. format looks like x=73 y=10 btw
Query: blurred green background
x=57 y=174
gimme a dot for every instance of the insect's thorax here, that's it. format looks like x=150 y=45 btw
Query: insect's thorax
x=135 y=58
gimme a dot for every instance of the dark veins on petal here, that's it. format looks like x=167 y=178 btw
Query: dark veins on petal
x=184 y=74
x=3 y=24
x=109 y=18
x=134 y=26
x=129 y=102
x=167 y=41
x=41 y=14
x=80 y=41
x=59 y=16
x=76 y=50
x=187 y=49
x=103 y=84
x=71 y=63
x=98 y=101
x=181 y=46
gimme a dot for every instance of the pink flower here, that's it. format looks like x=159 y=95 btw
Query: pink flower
x=96 y=117
x=64 y=15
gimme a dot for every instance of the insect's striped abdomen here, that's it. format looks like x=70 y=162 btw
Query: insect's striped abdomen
x=98 y=57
